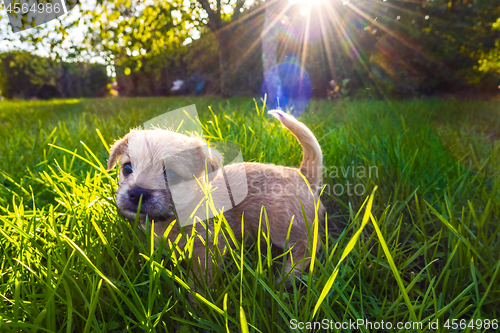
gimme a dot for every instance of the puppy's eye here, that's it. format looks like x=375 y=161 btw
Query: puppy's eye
x=172 y=177
x=127 y=169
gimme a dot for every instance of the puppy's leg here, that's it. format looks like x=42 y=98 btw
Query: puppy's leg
x=202 y=261
x=301 y=255
x=200 y=270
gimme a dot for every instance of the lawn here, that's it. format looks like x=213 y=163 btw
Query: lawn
x=414 y=239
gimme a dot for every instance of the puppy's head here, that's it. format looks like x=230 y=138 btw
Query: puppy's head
x=153 y=165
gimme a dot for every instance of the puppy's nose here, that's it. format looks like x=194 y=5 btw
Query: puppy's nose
x=134 y=195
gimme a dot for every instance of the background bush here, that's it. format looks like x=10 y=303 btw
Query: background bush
x=25 y=75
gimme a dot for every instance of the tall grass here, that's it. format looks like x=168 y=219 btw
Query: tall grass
x=425 y=246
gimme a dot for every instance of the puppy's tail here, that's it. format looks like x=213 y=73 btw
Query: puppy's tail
x=312 y=162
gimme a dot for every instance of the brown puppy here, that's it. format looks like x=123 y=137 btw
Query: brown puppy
x=160 y=165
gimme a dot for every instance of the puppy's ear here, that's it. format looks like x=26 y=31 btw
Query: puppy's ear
x=119 y=148
x=214 y=159
x=210 y=156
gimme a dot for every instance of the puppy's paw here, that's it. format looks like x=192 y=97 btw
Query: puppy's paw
x=287 y=282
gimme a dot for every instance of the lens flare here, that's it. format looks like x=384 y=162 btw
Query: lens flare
x=287 y=86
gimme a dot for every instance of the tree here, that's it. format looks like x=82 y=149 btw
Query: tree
x=118 y=29
x=128 y=29
x=489 y=61
x=440 y=45
x=451 y=36
x=222 y=17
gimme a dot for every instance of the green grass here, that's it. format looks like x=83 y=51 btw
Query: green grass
x=424 y=247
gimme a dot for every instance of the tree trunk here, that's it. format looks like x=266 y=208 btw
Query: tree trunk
x=62 y=83
x=224 y=53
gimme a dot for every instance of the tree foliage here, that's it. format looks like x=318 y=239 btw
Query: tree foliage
x=448 y=39
x=137 y=32
x=489 y=61
x=402 y=47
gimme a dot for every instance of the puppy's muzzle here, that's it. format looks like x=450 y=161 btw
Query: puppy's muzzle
x=154 y=203
x=135 y=194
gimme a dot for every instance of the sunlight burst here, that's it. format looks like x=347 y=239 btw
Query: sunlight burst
x=304 y=2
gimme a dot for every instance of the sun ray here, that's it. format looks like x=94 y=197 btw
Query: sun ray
x=305 y=43
x=405 y=40
x=326 y=45
x=328 y=15
x=257 y=42
x=343 y=35
x=391 y=5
